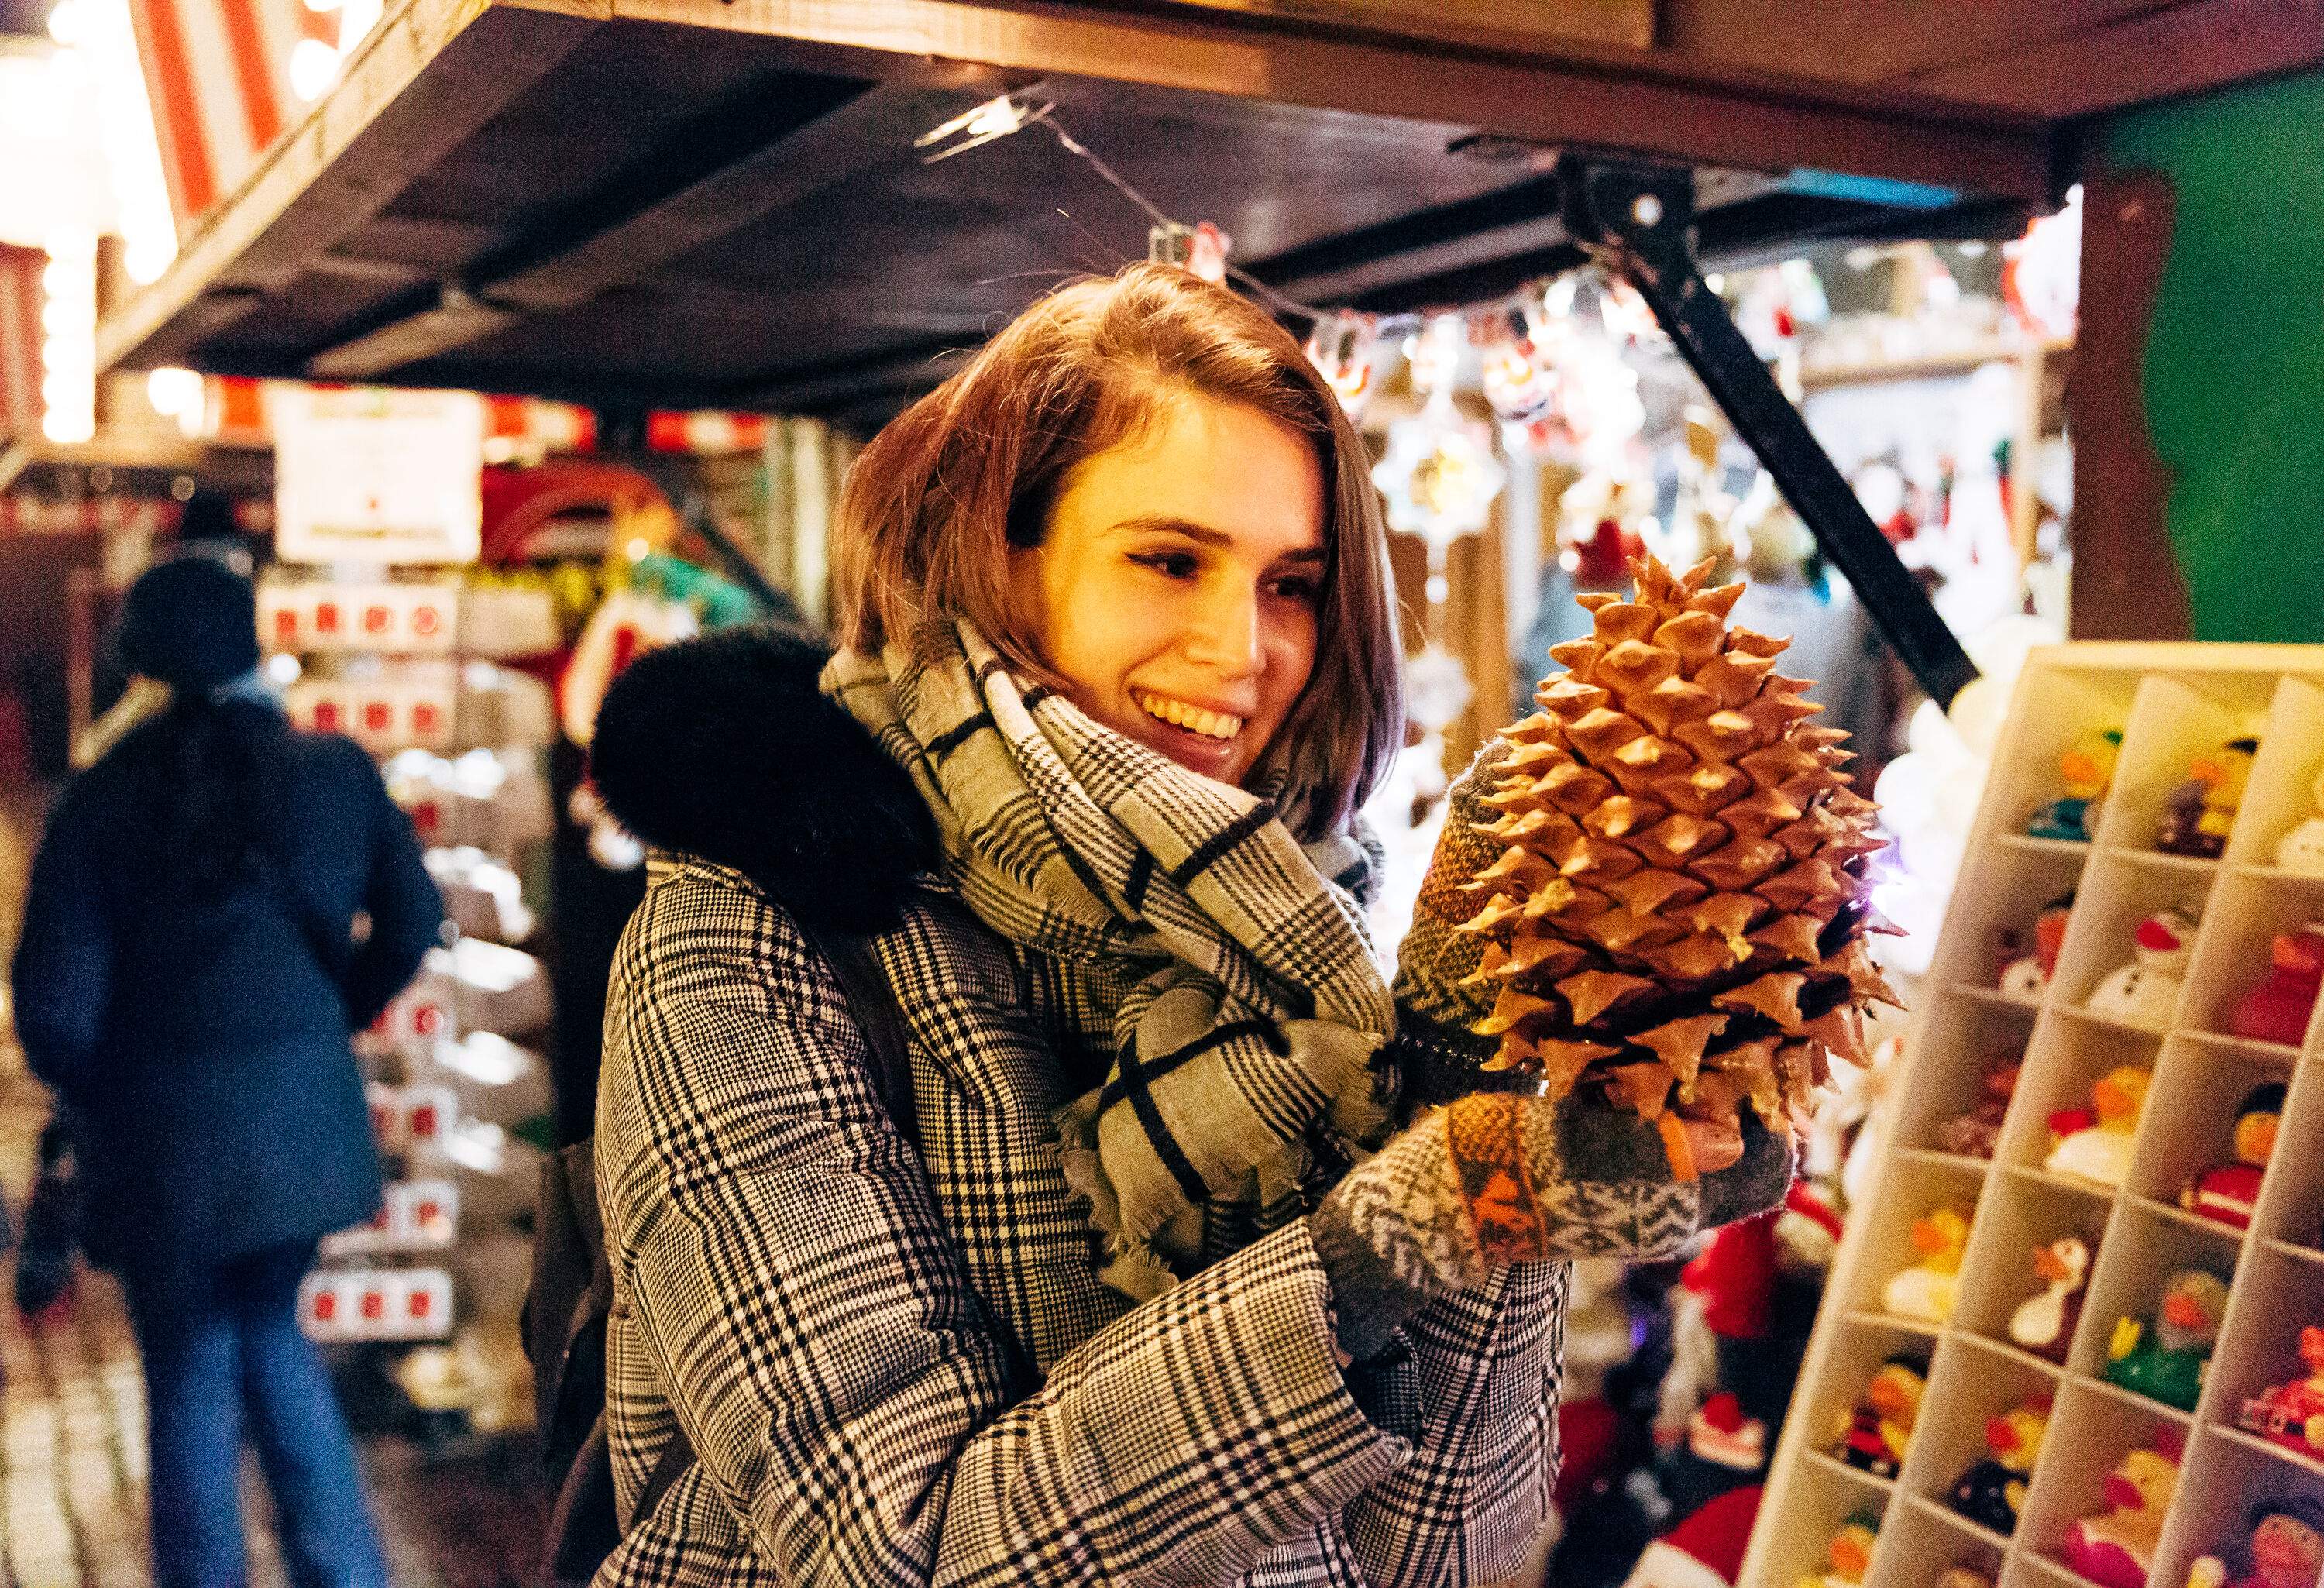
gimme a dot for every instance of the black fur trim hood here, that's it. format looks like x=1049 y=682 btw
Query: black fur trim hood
x=724 y=747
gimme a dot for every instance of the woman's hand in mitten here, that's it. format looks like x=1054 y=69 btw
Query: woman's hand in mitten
x=1501 y=1178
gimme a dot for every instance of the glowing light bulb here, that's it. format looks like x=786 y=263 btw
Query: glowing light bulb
x=313 y=66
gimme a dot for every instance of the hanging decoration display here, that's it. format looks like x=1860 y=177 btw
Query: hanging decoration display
x=1439 y=476
x=1339 y=347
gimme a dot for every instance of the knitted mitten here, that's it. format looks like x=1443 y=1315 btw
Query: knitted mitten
x=1499 y=1177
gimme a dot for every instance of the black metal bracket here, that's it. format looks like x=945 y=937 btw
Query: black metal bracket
x=1639 y=222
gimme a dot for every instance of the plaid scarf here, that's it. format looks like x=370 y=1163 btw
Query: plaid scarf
x=1250 y=1038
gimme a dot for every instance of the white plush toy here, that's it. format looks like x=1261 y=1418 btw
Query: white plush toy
x=2301 y=849
x=2145 y=991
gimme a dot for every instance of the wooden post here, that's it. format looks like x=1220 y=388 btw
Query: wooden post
x=2127 y=584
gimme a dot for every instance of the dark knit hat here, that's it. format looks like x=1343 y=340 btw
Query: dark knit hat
x=192 y=622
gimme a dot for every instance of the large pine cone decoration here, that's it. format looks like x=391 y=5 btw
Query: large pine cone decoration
x=1674 y=905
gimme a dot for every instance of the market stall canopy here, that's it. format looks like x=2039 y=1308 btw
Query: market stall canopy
x=718 y=203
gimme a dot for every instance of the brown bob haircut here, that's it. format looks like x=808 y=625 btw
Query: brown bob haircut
x=934 y=505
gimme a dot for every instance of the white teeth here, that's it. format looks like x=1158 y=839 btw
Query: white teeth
x=1210 y=724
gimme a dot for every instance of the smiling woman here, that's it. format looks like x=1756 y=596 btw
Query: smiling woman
x=1117 y=669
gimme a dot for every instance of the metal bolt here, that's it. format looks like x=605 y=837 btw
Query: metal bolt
x=1646 y=210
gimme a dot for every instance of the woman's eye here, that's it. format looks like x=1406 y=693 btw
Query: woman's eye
x=1174 y=565
x=1309 y=591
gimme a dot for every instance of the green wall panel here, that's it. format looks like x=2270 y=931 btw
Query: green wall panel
x=2235 y=369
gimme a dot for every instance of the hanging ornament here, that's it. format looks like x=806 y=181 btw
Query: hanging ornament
x=1519 y=378
x=1200 y=248
x=1339 y=347
x=1439 y=474
x=1440 y=477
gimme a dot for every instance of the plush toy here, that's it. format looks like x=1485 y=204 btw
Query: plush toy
x=1878 y=1430
x=2044 y=1322
x=2292 y=1414
x=2095 y=1142
x=2116 y=1548
x=2200 y=812
x=2166 y=1360
x=1849 y=1553
x=2227 y=1192
x=2301 y=850
x=1927 y=1289
x=2284 y=1549
x=1706 y=1549
x=2277 y=1008
x=2088 y=768
x=2145 y=992
x=2025 y=972
x=1977 y=1133
x=1991 y=1492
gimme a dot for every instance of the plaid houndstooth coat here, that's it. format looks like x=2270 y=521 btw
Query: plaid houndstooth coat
x=899 y=1365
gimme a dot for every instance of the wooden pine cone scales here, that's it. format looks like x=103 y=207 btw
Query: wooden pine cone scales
x=1678 y=911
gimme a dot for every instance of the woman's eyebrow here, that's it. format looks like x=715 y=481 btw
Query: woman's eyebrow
x=1202 y=535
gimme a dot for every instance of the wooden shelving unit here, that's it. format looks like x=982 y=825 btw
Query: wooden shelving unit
x=2174 y=702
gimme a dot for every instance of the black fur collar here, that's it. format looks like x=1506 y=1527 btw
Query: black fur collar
x=724 y=748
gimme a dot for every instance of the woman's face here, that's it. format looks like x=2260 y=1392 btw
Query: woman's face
x=1178 y=584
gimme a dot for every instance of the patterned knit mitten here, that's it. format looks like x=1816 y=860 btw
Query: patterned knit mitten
x=1499 y=1177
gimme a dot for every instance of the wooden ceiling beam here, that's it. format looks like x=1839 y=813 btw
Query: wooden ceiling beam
x=1535 y=93
x=1869 y=42
x=583 y=256
x=2186 y=50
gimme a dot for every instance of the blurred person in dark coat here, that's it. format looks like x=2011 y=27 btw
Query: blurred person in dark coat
x=217 y=904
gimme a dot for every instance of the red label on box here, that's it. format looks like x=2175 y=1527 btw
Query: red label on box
x=421 y=1304
x=424 y=1120
x=375 y=619
x=327 y=716
x=326 y=1306
x=327 y=617
x=424 y=620
x=375 y=1305
x=286 y=624
x=423 y=717
x=377 y=718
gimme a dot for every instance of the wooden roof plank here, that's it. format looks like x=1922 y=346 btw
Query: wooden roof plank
x=2185 y=50
x=829 y=149
x=1535 y=96
x=1877 y=41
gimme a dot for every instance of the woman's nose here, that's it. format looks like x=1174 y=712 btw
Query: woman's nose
x=1226 y=634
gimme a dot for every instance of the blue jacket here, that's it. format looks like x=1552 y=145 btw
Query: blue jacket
x=205 y=1053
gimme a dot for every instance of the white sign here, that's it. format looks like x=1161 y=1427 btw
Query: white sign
x=363 y=474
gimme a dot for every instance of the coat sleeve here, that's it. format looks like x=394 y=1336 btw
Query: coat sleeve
x=406 y=910
x=1475 y=1390
x=783 y=1261
x=63 y=974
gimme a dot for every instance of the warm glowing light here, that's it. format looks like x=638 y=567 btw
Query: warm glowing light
x=313 y=66
x=68 y=339
x=107 y=48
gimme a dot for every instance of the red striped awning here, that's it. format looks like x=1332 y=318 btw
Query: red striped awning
x=219 y=75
